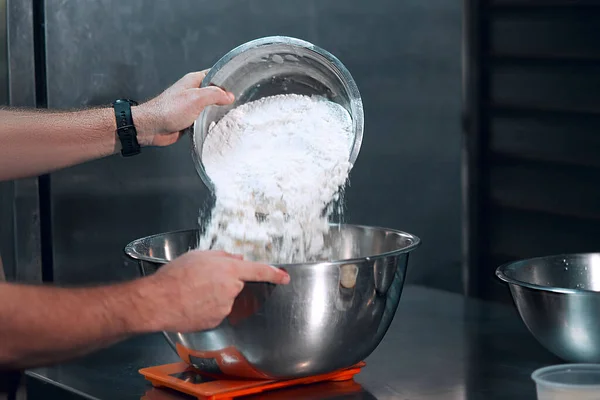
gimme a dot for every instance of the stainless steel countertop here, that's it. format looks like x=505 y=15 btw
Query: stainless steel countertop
x=440 y=346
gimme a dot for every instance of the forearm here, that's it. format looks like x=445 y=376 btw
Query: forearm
x=35 y=142
x=40 y=325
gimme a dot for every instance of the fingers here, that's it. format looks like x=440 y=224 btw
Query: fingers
x=247 y=271
x=192 y=79
x=255 y=272
x=213 y=95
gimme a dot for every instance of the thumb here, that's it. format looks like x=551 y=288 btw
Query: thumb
x=213 y=95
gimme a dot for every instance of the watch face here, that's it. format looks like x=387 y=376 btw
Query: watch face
x=130 y=102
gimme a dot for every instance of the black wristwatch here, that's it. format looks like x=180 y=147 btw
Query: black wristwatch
x=125 y=127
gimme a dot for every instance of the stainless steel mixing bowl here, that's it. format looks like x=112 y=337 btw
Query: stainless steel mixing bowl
x=278 y=65
x=332 y=314
x=558 y=298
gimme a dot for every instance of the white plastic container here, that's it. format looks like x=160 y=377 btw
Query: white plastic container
x=568 y=381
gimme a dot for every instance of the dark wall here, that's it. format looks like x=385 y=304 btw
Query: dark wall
x=404 y=55
x=537 y=155
x=406 y=60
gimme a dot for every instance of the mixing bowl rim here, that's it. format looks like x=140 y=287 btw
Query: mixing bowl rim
x=354 y=92
x=501 y=273
x=416 y=242
x=537 y=377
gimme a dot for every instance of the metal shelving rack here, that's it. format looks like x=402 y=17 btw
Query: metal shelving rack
x=531 y=134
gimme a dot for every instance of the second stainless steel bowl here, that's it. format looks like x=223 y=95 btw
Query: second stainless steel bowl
x=558 y=298
x=331 y=316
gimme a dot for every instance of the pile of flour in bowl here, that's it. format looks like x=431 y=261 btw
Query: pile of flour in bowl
x=278 y=165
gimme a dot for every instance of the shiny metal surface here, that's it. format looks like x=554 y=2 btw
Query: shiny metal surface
x=558 y=298
x=278 y=65
x=440 y=346
x=3 y=54
x=6 y=188
x=24 y=203
x=331 y=316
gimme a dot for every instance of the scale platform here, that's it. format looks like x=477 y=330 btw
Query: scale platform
x=185 y=379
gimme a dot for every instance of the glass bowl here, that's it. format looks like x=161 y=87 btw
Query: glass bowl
x=278 y=65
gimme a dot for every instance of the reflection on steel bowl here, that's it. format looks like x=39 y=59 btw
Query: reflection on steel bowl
x=331 y=316
x=558 y=298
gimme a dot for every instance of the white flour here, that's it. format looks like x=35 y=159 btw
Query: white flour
x=277 y=164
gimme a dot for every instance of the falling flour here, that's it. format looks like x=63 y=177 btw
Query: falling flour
x=278 y=165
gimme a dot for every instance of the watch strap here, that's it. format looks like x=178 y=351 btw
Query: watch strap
x=125 y=127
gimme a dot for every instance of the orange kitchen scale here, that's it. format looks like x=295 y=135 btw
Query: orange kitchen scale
x=185 y=379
